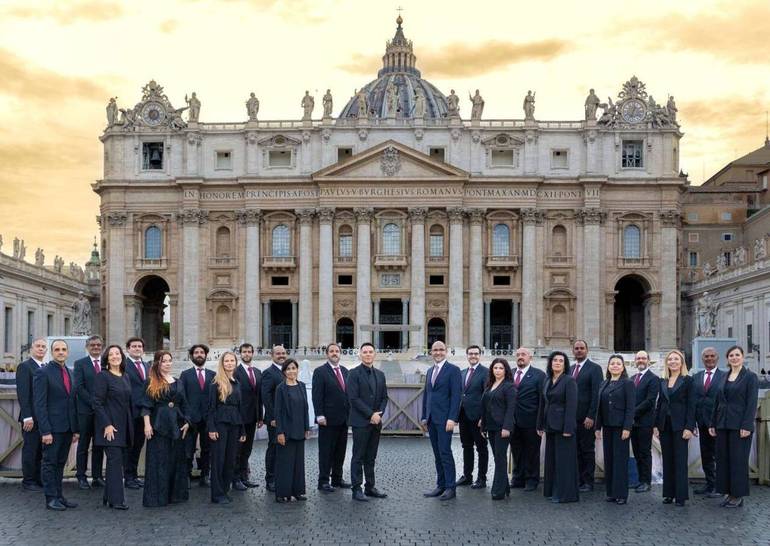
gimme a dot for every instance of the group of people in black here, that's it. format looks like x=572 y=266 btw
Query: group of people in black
x=115 y=403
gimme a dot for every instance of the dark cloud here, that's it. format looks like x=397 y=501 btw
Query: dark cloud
x=68 y=12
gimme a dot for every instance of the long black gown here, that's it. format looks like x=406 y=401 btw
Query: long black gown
x=166 y=479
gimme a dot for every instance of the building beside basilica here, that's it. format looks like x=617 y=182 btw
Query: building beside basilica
x=397 y=222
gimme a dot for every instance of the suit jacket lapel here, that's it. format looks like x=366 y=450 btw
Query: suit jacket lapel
x=664 y=388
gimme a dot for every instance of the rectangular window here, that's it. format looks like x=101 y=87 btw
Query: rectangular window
x=279 y=281
x=49 y=325
x=152 y=156
x=436 y=245
x=727 y=237
x=436 y=280
x=727 y=216
x=67 y=323
x=692 y=216
x=30 y=326
x=729 y=331
x=693 y=237
x=749 y=338
x=632 y=154
x=559 y=159
x=8 y=330
x=501 y=158
x=345 y=280
x=501 y=280
x=346 y=245
x=727 y=256
x=437 y=153
x=224 y=161
x=344 y=153
x=279 y=158
x=693 y=259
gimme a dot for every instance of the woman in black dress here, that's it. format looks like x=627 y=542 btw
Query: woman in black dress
x=164 y=409
x=113 y=422
x=497 y=421
x=556 y=419
x=292 y=425
x=614 y=419
x=674 y=426
x=225 y=427
x=735 y=410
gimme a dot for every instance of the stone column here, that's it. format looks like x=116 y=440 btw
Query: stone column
x=114 y=223
x=456 y=313
x=376 y=322
x=417 y=297
x=670 y=223
x=487 y=324
x=191 y=220
x=475 y=280
x=363 y=274
x=404 y=322
x=530 y=217
x=251 y=219
x=294 y=325
x=305 y=324
x=325 y=277
x=266 y=341
x=515 y=325
x=591 y=219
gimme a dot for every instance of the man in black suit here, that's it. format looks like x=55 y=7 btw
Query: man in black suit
x=525 y=441
x=368 y=395
x=332 y=410
x=196 y=382
x=54 y=393
x=32 y=450
x=272 y=376
x=705 y=397
x=137 y=371
x=588 y=376
x=474 y=378
x=647 y=387
x=86 y=369
x=250 y=381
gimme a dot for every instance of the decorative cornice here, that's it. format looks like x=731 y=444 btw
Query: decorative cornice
x=532 y=216
x=590 y=216
x=476 y=216
x=670 y=218
x=305 y=215
x=192 y=216
x=249 y=216
x=116 y=219
x=363 y=215
x=456 y=214
x=325 y=215
x=417 y=215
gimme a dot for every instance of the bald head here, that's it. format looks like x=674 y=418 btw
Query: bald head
x=523 y=357
x=438 y=351
x=642 y=360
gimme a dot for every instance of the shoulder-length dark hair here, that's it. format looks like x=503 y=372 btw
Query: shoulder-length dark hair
x=157 y=385
x=491 y=376
x=105 y=363
x=623 y=374
x=286 y=363
x=549 y=367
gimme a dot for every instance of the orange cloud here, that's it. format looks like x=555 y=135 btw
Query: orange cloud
x=168 y=26
x=69 y=12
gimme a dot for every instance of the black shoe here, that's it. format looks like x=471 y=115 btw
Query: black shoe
x=498 y=497
x=703 y=490
x=464 y=480
x=204 y=481
x=586 y=488
x=55 y=504
x=31 y=487
x=725 y=500
x=610 y=499
x=735 y=503
x=250 y=484
x=270 y=486
x=326 y=488
x=634 y=485
x=479 y=484
x=530 y=487
x=374 y=492
x=132 y=484
x=713 y=495
x=140 y=481
x=342 y=484
x=300 y=497
x=667 y=500
x=98 y=482
x=679 y=503
x=83 y=483
x=239 y=486
x=642 y=488
x=282 y=500
x=68 y=504
x=221 y=500
x=123 y=506
x=358 y=495
x=621 y=501
x=449 y=494
x=435 y=493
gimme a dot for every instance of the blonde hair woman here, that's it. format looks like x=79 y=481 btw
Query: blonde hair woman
x=674 y=425
x=225 y=427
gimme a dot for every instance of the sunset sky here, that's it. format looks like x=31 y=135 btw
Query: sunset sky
x=60 y=61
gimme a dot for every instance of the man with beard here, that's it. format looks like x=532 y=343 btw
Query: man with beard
x=86 y=369
x=704 y=387
x=137 y=372
x=525 y=441
x=588 y=376
x=196 y=382
x=32 y=450
x=272 y=376
x=249 y=379
x=646 y=386
x=474 y=380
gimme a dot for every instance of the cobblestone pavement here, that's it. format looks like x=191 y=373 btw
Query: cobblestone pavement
x=405 y=469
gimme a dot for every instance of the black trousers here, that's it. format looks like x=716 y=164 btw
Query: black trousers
x=134 y=451
x=674 y=451
x=198 y=433
x=52 y=467
x=290 y=469
x=707 y=461
x=525 y=448
x=560 y=477
x=332 y=444
x=732 y=454
x=86 y=425
x=114 y=491
x=242 y=471
x=499 y=447
x=641 y=442
x=586 y=454
x=31 y=457
x=615 y=462
x=470 y=436
x=272 y=442
x=223 y=453
x=366 y=441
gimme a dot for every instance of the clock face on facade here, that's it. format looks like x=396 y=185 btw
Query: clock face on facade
x=153 y=113
x=633 y=111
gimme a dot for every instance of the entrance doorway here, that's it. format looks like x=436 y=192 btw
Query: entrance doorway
x=345 y=335
x=281 y=326
x=436 y=331
x=629 y=310
x=391 y=314
x=150 y=318
x=500 y=325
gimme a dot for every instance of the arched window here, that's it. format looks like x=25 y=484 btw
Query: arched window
x=391 y=240
x=632 y=242
x=559 y=241
x=281 y=240
x=345 y=333
x=501 y=240
x=152 y=243
x=346 y=241
x=223 y=242
x=222 y=321
x=559 y=325
x=436 y=240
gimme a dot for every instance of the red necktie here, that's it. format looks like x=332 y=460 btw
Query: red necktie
x=468 y=377
x=518 y=378
x=338 y=373
x=97 y=366
x=576 y=372
x=251 y=377
x=637 y=380
x=201 y=380
x=65 y=377
x=707 y=384
x=139 y=368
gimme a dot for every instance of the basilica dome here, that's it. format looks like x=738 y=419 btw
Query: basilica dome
x=398 y=69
